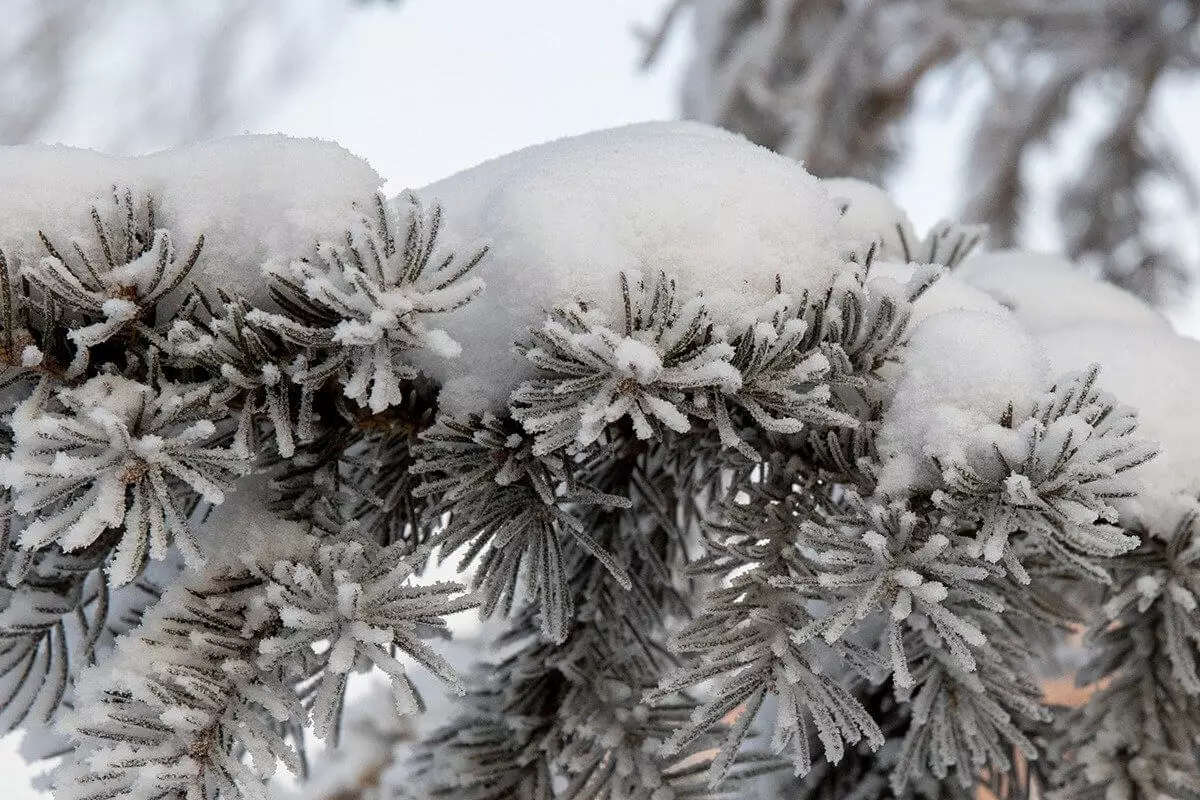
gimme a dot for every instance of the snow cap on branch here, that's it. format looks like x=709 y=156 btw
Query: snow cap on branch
x=256 y=199
x=871 y=216
x=960 y=372
x=1047 y=292
x=717 y=214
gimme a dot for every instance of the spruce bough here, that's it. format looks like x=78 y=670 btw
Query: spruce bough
x=710 y=559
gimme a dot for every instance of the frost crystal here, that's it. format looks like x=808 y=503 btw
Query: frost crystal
x=365 y=610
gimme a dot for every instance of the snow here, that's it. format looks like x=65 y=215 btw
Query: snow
x=256 y=199
x=960 y=371
x=947 y=293
x=1047 y=292
x=870 y=215
x=1158 y=373
x=244 y=524
x=716 y=213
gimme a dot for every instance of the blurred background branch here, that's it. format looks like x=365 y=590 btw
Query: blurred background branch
x=146 y=74
x=834 y=83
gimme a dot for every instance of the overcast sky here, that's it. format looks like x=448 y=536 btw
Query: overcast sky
x=441 y=85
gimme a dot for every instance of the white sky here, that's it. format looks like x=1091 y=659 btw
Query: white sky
x=440 y=85
x=435 y=86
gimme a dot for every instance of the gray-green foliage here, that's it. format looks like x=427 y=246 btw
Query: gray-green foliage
x=136 y=401
x=1137 y=735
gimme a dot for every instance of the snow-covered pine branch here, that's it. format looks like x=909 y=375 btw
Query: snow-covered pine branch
x=252 y=366
x=117 y=453
x=357 y=308
x=115 y=287
x=225 y=666
x=742 y=471
x=1136 y=735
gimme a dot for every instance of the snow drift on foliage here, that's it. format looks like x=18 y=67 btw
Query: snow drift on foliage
x=1048 y=292
x=1158 y=373
x=256 y=199
x=714 y=212
x=961 y=370
x=946 y=294
x=869 y=214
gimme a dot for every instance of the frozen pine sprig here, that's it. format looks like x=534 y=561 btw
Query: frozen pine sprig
x=1050 y=470
x=505 y=744
x=612 y=752
x=792 y=364
x=113 y=285
x=213 y=689
x=356 y=477
x=512 y=510
x=965 y=723
x=1137 y=734
x=114 y=453
x=863 y=323
x=859 y=328
x=358 y=307
x=744 y=639
x=180 y=711
x=784 y=377
x=20 y=351
x=1163 y=575
x=52 y=615
x=501 y=744
x=888 y=560
x=359 y=599
x=254 y=366
x=648 y=367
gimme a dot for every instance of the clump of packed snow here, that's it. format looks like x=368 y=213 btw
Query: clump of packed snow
x=870 y=215
x=1002 y=327
x=717 y=214
x=256 y=199
x=244 y=524
x=1157 y=372
x=961 y=370
x=1047 y=292
x=947 y=293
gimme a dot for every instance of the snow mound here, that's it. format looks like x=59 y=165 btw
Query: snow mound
x=714 y=212
x=256 y=199
x=946 y=294
x=869 y=214
x=1047 y=292
x=960 y=371
x=1158 y=373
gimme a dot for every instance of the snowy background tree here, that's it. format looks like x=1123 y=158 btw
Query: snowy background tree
x=837 y=85
x=202 y=70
